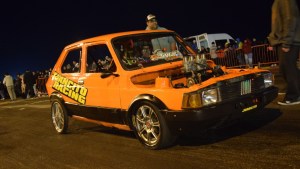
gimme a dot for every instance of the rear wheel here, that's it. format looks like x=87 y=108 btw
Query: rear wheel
x=150 y=126
x=59 y=116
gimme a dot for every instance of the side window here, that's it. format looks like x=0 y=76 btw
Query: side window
x=99 y=59
x=204 y=44
x=72 y=62
x=192 y=43
x=221 y=42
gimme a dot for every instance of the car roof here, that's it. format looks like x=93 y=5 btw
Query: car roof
x=108 y=37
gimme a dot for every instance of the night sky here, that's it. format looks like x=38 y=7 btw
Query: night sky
x=33 y=33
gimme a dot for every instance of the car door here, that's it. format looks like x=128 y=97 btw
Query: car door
x=102 y=97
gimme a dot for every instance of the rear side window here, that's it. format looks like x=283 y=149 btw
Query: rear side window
x=72 y=61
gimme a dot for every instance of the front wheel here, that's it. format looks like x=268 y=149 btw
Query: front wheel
x=150 y=126
x=59 y=116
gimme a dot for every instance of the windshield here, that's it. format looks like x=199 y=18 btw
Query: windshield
x=144 y=50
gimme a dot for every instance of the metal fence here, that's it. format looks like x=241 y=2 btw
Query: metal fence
x=235 y=57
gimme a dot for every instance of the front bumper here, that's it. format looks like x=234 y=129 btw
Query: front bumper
x=191 y=120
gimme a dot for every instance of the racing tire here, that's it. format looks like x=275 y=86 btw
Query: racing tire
x=59 y=116
x=150 y=126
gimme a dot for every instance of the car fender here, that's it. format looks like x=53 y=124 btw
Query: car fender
x=58 y=96
x=144 y=97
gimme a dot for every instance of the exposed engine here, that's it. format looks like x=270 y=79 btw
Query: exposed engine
x=195 y=70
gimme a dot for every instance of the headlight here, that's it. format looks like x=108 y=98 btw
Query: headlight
x=209 y=96
x=268 y=79
x=198 y=99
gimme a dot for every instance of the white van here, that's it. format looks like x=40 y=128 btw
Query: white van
x=205 y=40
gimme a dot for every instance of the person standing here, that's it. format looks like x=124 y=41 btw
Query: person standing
x=285 y=39
x=194 y=45
x=8 y=81
x=28 y=81
x=213 y=52
x=2 y=90
x=247 y=49
x=239 y=51
x=18 y=84
x=166 y=44
x=152 y=23
x=35 y=78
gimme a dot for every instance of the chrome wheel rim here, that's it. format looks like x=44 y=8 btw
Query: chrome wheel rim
x=147 y=125
x=58 y=117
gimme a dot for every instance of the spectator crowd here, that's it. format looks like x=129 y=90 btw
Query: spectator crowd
x=26 y=85
x=242 y=50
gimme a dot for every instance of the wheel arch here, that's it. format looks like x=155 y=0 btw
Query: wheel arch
x=58 y=96
x=139 y=99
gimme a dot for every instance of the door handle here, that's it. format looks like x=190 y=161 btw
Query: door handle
x=80 y=81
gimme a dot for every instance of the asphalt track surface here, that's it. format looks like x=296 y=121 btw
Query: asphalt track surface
x=268 y=139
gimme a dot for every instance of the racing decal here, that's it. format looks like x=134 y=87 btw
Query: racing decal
x=249 y=108
x=69 y=88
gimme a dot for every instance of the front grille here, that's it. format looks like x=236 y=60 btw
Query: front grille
x=246 y=87
x=235 y=88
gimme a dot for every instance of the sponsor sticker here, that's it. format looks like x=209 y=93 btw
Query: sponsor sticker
x=69 y=88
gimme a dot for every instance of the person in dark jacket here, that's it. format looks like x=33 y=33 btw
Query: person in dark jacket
x=285 y=39
x=2 y=90
x=28 y=81
x=18 y=84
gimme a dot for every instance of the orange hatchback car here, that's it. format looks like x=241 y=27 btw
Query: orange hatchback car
x=151 y=83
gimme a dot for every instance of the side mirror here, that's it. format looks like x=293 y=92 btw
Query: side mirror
x=107 y=74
